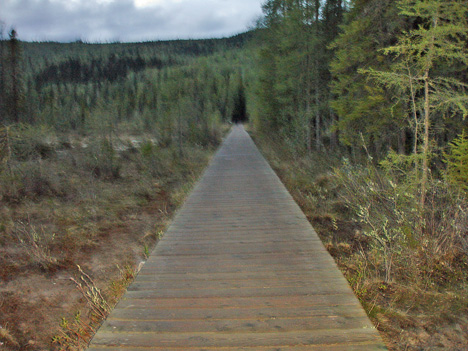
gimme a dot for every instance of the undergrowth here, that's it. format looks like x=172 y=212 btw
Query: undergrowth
x=408 y=266
x=100 y=201
x=76 y=334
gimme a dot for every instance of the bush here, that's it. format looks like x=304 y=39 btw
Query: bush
x=29 y=142
x=37 y=245
x=457 y=162
x=102 y=160
x=155 y=160
x=31 y=180
x=387 y=213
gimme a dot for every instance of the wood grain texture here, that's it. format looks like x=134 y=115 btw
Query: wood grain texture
x=240 y=268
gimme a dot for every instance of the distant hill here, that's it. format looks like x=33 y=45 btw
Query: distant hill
x=53 y=51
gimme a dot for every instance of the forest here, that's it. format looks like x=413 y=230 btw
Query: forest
x=364 y=104
x=359 y=105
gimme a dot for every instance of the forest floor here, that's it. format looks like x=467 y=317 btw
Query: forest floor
x=426 y=310
x=75 y=227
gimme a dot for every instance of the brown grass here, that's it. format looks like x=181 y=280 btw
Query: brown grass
x=6 y=339
x=63 y=204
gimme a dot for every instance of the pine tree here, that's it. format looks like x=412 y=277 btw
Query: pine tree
x=2 y=72
x=333 y=12
x=15 y=93
x=457 y=162
x=438 y=39
x=292 y=64
x=269 y=117
x=362 y=106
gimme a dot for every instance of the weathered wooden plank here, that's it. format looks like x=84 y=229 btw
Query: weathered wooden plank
x=232 y=284
x=144 y=314
x=256 y=325
x=240 y=268
x=238 y=302
x=167 y=268
x=321 y=288
x=361 y=346
x=284 y=258
x=222 y=339
x=249 y=275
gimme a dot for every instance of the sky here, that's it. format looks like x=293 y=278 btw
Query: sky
x=127 y=20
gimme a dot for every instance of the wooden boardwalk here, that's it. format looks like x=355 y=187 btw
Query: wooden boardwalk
x=240 y=268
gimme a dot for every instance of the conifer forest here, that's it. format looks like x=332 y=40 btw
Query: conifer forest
x=360 y=106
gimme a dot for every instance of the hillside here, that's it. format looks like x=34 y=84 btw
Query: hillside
x=99 y=145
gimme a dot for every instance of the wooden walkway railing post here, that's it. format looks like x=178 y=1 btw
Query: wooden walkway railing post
x=240 y=268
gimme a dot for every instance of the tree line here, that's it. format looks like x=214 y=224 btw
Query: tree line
x=110 y=69
x=376 y=76
x=294 y=74
x=180 y=90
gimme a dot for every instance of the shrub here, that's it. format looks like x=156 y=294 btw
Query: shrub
x=157 y=161
x=29 y=142
x=457 y=162
x=31 y=180
x=37 y=245
x=102 y=159
x=387 y=212
x=387 y=207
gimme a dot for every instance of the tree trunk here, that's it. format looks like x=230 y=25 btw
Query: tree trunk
x=317 y=80
x=179 y=128
x=402 y=142
x=425 y=151
x=307 y=121
x=334 y=120
x=427 y=111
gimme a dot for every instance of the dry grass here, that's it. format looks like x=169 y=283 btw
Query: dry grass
x=76 y=334
x=6 y=339
x=72 y=201
x=413 y=284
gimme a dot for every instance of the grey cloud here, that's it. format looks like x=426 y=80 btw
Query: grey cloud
x=122 y=20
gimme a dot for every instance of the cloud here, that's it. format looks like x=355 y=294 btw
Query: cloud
x=127 y=20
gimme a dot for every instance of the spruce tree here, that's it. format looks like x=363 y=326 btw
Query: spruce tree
x=333 y=12
x=2 y=72
x=457 y=162
x=291 y=70
x=437 y=40
x=362 y=106
x=15 y=92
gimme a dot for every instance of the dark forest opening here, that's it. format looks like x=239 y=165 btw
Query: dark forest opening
x=239 y=112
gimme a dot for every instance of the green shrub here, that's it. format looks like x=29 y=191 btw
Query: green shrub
x=387 y=212
x=157 y=161
x=387 y=207
x=457 y=162
x=147 y=149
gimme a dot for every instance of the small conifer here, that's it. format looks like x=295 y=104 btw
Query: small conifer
x=457 y=162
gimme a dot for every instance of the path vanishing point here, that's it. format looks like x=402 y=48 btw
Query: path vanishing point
x=240 y=268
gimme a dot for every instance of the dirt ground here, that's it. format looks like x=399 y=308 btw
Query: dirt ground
x=34 y=301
